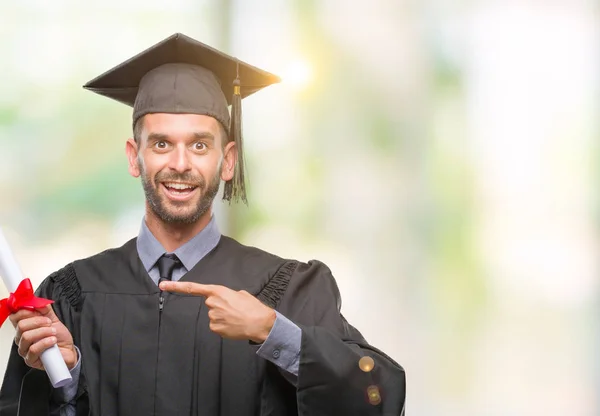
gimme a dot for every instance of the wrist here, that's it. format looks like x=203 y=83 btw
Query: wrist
x=263 y=331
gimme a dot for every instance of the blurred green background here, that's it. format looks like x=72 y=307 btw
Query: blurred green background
x=441 y=157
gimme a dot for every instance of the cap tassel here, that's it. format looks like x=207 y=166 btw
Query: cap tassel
x=235 y=189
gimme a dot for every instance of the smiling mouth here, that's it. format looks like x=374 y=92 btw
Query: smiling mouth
x=179 y=191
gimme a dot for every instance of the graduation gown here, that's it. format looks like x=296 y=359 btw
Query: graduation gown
x=139 y=360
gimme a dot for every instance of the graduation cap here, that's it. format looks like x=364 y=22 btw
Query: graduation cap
x=182 y=75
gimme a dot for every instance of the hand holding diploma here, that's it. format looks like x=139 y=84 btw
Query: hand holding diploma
x=44 y=342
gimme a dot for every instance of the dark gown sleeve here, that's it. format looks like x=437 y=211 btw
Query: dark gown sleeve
x=27 y=391
x=330 y=381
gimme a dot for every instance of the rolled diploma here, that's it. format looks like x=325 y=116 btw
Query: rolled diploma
x=11 y=275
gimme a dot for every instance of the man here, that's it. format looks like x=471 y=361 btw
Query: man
x=182 y=320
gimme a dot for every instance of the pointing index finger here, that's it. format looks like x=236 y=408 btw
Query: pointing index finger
x=189 y=288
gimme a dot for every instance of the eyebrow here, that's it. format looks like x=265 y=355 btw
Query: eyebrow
x=203 y=135
x=153 y=137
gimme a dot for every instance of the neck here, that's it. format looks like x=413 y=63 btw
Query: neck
x=174 y=235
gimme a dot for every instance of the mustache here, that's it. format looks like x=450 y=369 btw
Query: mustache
x=177 y=177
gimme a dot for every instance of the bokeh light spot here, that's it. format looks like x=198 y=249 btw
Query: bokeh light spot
x=298 y=74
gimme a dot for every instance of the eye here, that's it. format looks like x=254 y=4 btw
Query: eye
x=161 y=144
x=199 y=146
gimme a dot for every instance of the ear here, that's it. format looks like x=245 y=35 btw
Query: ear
x=230 y=155
x=131 y=148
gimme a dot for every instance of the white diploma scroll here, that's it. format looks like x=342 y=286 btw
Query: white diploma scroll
x=11 y=276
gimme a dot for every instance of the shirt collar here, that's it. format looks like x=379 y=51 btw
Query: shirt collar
x=150 y=249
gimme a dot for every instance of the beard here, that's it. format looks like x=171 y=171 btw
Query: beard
x=179 y=212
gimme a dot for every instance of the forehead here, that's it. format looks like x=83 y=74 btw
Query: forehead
x=179 y=124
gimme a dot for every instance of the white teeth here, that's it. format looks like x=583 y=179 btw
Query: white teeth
x=179 y=186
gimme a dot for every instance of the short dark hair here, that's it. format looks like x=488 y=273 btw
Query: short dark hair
x=137 y=129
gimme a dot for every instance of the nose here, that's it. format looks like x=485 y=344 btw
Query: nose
x=180 y=160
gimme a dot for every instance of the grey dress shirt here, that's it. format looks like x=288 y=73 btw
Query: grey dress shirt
x=282 y=346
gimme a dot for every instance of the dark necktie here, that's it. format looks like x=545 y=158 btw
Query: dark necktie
x=166 y=264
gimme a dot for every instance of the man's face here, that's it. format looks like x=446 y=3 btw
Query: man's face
x=181 y=162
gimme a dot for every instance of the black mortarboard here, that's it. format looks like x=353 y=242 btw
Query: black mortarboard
x=182 y=75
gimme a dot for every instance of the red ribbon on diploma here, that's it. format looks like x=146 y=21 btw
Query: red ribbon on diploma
x=22 y=298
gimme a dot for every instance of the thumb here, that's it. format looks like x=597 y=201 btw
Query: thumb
x=48 y=312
